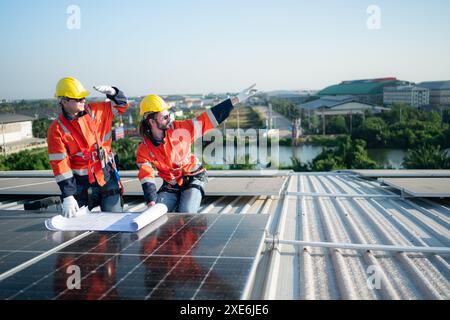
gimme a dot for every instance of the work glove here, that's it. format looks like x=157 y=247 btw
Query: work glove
x=246 y=93
x=70 y=207
x=108 y=90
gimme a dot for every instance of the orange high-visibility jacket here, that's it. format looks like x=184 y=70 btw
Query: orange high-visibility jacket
x=173 y=158
x=70 y=166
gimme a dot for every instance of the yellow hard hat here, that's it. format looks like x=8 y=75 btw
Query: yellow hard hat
x=153 y=103
x=70 y=88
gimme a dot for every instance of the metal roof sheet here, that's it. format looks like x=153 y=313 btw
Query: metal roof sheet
x=11 y=118
x=435 y=85
x=357 y=88
x=320 y=273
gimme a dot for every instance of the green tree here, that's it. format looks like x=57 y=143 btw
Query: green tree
x=427 y=157
x=336 y=125
x=401 y=112
x=126 y=149
x=372 y=131
x=286 y=108
x=446 y=115
x=327 y=160
x=40 y=128
x=36 y=159
x=243 y=166
x=310 y=122
x=297 y=166
x=350 y=154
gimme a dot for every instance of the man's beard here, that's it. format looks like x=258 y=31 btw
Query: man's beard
x=164 y=127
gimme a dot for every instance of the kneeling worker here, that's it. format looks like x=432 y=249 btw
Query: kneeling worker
x=79 y=148
x=166 y=146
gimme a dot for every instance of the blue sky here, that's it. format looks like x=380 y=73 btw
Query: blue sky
x=216 y=46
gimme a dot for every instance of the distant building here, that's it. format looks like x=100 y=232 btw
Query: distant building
x=439 y=92
x=365 y=91
x=292 y=96
x=191 y=103
x=338 y=105
x=14 y=127
x=178 y=113
x=413 y=95
x=16 y=133
x=208 y=103
x=174 y=100
x=118 y=133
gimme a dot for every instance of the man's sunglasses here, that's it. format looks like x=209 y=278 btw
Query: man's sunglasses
x=73 y=99
x=166 y=117
x=153 y=116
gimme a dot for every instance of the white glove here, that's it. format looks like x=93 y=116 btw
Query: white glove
x=246 y=93
x=70 y=207
x=106 y=90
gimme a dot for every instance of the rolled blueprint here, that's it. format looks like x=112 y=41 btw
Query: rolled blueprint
x=106 y=221
x=148 y=216
x=147 y=230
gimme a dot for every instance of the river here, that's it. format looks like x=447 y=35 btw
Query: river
x=386 y=157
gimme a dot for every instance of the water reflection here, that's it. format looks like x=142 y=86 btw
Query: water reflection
x=387 y=158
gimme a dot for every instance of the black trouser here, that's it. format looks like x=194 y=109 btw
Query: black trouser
x=108 y=197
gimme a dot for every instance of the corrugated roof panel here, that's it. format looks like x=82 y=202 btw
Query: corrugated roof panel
x=346 y=274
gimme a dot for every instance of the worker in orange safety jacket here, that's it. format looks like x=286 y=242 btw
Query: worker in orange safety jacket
x=166 y=146
x=79 y=148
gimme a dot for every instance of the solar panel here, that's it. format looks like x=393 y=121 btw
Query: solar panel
x=202 y=256
x=421 y=187
x=24 y=236
x=400 y=173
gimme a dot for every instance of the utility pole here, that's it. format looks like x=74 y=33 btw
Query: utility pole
x=4 y=142
x=237 y=113
x=351 y=122
x=323 y=121
x=270 y=116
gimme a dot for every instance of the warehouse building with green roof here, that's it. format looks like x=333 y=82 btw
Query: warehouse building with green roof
x=365 y=90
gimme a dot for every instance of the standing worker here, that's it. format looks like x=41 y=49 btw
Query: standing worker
x=166 y=146
x=79 y=148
